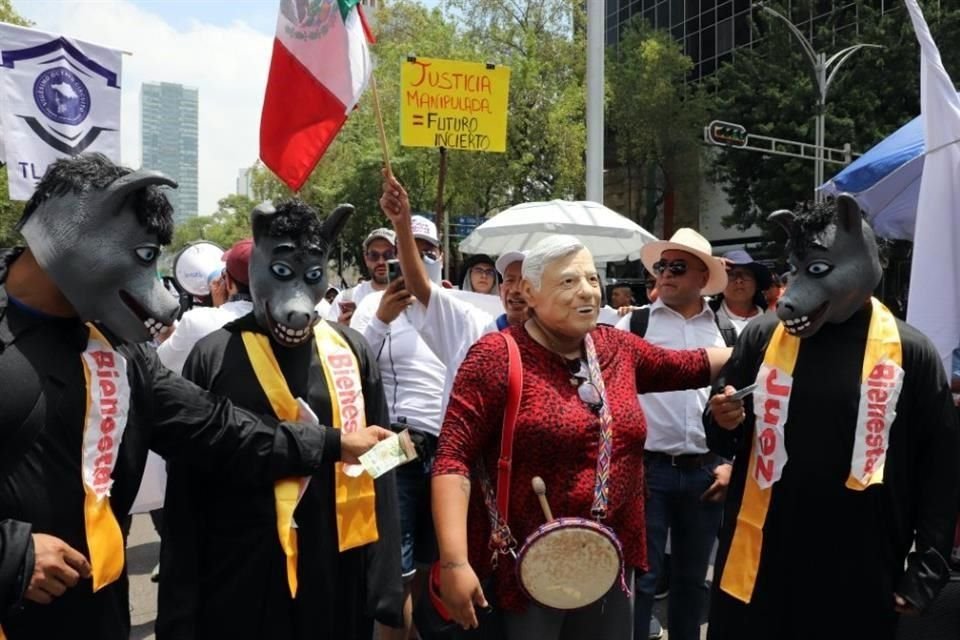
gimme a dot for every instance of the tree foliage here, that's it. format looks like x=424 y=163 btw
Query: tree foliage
x=655 y=116
x=546 y=132
x=771 y=91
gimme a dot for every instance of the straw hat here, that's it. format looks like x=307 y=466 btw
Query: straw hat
x=688 y=240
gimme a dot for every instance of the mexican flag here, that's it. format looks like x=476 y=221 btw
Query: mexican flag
x=320 y=67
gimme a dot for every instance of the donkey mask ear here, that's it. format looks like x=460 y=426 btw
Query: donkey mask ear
x=335 y=222
x=849 y=216
x=787 y=221
x=260 y=217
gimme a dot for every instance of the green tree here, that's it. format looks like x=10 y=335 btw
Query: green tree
x=656 y=118
x=10 y=210
x=771 y=91
x=545 y=137
x=231 y=222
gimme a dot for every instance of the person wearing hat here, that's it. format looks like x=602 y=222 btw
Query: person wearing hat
x=480 y=275
x=449 y=325
x=743 y=299
x=230 y=290
x=685 y=481
x=379 y=247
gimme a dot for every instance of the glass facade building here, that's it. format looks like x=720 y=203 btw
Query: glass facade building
x=168 y=129
x=710 y=30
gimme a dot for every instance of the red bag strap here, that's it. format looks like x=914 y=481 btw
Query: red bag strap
x=514 y=389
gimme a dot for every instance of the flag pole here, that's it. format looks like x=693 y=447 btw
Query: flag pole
x=380 y=129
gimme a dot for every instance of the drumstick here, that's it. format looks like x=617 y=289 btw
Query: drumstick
x=540 y=489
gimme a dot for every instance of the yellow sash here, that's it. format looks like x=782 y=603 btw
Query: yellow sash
x=356 y=500
x=881 y=379
x=105 y=418
x=354 y=522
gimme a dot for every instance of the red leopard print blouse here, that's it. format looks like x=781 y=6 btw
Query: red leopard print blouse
x=556 y=437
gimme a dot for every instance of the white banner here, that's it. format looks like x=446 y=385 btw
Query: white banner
x=60 y=97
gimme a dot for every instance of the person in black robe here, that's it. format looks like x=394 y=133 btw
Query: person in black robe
x=224 y=568
x=835 y=562
x=93 y=231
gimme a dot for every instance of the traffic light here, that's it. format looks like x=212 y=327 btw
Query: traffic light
x=727 y=133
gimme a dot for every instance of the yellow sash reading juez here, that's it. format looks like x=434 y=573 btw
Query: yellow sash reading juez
x=356 y=518
x=108 y=403
x=881 y=380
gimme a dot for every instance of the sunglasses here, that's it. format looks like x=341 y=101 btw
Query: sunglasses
x=482 y=271
x=741 y=274
x=676 y=267
x=588 y=392
x=375 y=256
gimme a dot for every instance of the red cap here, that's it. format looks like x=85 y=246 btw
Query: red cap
x=238 y=261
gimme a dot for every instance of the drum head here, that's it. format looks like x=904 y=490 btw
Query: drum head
x=194 y=264
x=569 y=568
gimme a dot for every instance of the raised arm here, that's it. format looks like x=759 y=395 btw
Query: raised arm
x=396 y=206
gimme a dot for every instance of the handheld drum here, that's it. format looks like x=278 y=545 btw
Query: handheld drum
x=568 y=563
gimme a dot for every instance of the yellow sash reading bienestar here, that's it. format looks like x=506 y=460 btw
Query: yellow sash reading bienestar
x=356 y=510
x=881 y=381
x=105 y=418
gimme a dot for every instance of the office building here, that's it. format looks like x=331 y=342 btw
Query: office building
x=168 y=130
x=711 y=30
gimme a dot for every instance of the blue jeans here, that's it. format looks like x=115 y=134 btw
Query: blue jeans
x=673 y=504
x=418 y=544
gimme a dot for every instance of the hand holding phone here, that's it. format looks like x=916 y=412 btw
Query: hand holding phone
x=740 y=394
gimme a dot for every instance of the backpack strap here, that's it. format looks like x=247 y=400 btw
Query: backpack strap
x=639 y=320
x=727 y=331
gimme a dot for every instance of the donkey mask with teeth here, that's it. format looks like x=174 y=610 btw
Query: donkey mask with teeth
x=288 y=266
x=96 y=229
x=836 y=265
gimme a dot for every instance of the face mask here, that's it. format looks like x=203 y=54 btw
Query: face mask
x=434 y=269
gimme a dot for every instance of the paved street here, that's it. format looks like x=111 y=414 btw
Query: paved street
x=143 y=547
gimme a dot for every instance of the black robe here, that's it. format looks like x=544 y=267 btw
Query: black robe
x=832 y=557
x=42 y=405
x=224 y=572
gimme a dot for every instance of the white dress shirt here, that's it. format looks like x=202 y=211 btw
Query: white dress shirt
x=413 y=376
x=674 y=423
x=195 y=324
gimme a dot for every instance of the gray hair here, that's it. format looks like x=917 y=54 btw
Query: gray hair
x=548 y=250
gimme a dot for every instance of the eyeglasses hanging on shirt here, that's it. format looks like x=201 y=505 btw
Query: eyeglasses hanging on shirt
x=587 y=391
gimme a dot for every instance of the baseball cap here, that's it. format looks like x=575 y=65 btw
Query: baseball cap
x=380 y=234
x=237 y=258
x=508 y=258
x=424 y=230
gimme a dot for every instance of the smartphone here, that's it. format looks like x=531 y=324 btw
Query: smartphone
x=393 y=270
x=744 y=392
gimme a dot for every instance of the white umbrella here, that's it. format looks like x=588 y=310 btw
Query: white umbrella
x=609 y=236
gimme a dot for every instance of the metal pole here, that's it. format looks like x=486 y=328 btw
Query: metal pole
x=818 y=178
x=595 y=26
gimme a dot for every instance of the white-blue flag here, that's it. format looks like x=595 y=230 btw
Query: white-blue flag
x=58 y=97
x=934 y=297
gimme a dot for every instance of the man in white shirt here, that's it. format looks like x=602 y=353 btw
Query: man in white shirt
x=379 y=247
x=448 y=325
x=201 y=321
x=685 y=482
x=413 y=379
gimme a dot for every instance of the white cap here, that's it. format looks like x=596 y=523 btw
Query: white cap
x=380 y=234
x=424 y=230
x=507 y=259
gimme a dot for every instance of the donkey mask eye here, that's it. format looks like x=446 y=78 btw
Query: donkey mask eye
x=819 y=269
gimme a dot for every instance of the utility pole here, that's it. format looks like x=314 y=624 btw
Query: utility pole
x=824 y=71
x=595 y=27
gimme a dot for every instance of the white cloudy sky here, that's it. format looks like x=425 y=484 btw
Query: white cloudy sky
x=221 y=47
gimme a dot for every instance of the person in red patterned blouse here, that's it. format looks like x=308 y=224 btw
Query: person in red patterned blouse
x=556 y=437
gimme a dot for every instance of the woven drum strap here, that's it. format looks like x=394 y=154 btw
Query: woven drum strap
x=601 y=489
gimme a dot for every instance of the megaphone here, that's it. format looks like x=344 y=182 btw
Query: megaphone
x=194 y=264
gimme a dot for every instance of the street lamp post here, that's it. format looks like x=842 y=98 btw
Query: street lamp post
x=824 y=70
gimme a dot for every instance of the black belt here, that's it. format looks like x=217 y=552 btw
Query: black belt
x=683 y=461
